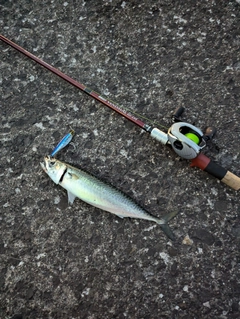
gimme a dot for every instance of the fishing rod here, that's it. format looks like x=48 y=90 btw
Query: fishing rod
x=186 y=140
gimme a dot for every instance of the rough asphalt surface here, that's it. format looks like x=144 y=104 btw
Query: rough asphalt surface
x=150 y=56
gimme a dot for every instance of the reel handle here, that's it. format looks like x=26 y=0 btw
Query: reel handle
x=177 y=114
x=207 y=165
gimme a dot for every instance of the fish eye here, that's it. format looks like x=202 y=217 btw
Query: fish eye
x=52 y=163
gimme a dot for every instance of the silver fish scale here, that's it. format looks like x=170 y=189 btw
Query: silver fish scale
x=94 y=190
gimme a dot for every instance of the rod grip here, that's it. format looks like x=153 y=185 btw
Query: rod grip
x=231 y=180
x=204 y=163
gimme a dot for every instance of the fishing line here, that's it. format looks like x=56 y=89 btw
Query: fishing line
x=134 y=112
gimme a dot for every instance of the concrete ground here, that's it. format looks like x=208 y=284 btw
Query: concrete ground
x=149 y=56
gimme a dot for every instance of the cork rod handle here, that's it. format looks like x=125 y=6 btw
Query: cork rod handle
x=231 y=180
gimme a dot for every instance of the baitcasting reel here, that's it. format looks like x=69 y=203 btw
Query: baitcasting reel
x=186 y=139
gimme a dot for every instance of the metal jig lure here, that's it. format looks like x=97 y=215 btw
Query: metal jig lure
x=63 y=143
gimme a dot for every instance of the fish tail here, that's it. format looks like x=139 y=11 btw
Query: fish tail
x=163 y=223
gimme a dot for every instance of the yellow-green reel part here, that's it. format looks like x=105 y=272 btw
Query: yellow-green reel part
x=193 y=137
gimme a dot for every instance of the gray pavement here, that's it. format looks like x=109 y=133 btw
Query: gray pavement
x=79 y=262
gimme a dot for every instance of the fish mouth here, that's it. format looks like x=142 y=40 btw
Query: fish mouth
x=44 y=164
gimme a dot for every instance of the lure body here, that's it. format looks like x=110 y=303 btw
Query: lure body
x=64 y=142
x=91 y=190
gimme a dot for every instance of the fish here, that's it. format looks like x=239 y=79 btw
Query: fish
x=95 y=192
x=64 y=142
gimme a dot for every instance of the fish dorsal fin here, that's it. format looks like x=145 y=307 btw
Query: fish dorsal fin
x=71 y=197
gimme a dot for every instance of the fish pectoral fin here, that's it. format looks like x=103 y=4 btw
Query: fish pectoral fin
x=71 y=197
x=120 y=216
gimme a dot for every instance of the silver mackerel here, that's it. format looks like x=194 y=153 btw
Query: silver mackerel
x=93 y=191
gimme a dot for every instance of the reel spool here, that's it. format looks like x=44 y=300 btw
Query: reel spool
x=193 y=137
